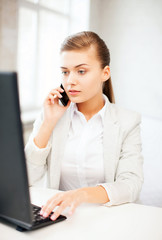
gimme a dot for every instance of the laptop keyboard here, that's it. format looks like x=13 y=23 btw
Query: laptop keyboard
x=38 y=219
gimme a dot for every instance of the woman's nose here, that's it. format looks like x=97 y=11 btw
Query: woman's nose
x=71 y=79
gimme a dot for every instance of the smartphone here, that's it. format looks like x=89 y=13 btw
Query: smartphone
x=65 y=99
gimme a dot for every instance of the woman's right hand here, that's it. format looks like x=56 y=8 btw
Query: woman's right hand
x=53 y=111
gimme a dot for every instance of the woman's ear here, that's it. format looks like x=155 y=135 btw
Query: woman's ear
x=106 y=73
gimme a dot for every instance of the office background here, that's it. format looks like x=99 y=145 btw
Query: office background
x=31 y=32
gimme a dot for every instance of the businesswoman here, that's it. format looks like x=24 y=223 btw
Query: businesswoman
x=90 y=149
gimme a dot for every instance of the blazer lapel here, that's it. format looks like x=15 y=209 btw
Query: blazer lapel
x=60 y=135
x=110 y=143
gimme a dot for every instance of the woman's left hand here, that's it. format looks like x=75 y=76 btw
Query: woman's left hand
x=72 y=199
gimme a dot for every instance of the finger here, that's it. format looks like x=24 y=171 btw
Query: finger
x=49 y=206
x=59 y=210
x=61 y=89
x=52 y=99
x=72 y=208
x=56 y=91
x=45 y=211
x=48 y=209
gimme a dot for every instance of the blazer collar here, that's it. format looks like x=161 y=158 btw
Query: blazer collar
x=110 y=112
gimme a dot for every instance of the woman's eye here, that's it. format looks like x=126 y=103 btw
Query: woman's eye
x=64 y=73
x=81 y=71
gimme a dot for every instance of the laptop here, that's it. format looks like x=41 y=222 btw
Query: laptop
x=15 y=205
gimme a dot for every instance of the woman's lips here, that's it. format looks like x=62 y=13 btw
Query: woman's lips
x=73 y=92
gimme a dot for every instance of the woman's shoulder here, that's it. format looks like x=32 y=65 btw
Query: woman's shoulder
x=124 y=116
x=123 y=112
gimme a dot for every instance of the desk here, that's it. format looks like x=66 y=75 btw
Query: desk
x=92 y=221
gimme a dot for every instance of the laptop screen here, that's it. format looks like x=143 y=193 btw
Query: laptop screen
x=14 y=193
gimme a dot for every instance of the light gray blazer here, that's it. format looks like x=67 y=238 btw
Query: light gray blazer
x=123 y=161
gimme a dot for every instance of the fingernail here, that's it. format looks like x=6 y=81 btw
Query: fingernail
x=41 y=212
x=53 y=217
x=45 y=214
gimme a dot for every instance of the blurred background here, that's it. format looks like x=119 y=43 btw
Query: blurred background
x=31 y=32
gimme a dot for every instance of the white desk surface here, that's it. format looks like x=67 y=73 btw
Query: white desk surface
x=93 y=221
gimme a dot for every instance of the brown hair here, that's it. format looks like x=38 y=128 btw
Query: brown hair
x=84 y=40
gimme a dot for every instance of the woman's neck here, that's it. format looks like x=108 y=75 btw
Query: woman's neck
x=91 y=107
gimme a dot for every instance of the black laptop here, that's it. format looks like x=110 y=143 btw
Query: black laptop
x=15 y=205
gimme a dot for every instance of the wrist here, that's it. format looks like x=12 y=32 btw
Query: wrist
x=48 y=125
x=42 y=137
x=95 y=194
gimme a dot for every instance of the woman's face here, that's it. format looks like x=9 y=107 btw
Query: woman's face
x=82 y=74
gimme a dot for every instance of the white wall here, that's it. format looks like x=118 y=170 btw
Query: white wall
x=133 y=33
x=132 y=30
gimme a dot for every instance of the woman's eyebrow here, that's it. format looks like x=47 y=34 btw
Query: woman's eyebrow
x=76 y=66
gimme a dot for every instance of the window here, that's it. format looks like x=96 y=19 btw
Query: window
x=43 y=24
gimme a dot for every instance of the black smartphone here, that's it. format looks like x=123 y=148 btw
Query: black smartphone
x=64 y=100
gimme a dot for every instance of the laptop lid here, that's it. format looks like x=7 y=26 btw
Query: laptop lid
x=14 y=193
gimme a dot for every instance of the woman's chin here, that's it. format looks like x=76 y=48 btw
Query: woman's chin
x=76 y=100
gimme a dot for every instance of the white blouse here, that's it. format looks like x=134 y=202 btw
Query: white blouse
x=83 y=164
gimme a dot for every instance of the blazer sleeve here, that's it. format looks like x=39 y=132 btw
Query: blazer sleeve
x=129 y=173
x=36 y=157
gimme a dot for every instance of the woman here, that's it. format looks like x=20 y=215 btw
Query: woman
x=90 y=149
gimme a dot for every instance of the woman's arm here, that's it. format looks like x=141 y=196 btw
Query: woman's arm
x=128 y=180
x=35 y=156
x=42 y=138
x=73 y=199
x=95 y=194
x=38 y=146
